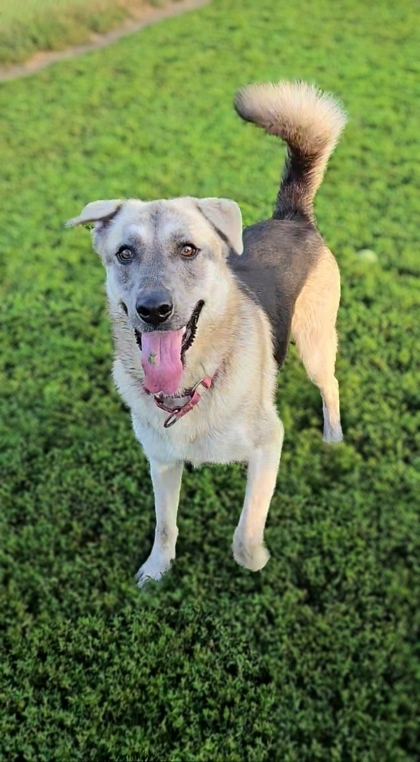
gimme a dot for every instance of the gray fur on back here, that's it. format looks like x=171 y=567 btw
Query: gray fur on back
x=278 y=257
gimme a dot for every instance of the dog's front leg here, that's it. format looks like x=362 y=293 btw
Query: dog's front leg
x=166 y=479
x=248 y=541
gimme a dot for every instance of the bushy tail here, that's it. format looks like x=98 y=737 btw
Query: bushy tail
x=310 y=122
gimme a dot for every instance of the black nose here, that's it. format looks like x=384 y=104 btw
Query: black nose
x=155 y=307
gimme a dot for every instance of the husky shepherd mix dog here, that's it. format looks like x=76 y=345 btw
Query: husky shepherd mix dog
x=202 y=314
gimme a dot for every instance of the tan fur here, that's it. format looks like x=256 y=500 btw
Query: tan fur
x=294 y=111
x=94 y=211
x=313 y=329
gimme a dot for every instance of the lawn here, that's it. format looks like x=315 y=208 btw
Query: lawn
x=317 y=657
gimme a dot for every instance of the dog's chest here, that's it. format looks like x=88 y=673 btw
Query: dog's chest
x=213 y=432
x=188 y=440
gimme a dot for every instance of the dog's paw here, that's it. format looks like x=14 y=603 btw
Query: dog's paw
x=333 y=434
x=152 y=569
x=253 y=557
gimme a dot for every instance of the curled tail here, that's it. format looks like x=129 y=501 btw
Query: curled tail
x=310 y=122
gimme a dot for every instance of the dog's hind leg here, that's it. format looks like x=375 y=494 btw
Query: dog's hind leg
x=318 y=357
x=248 y=541
x=313 y=329
x=166 y=480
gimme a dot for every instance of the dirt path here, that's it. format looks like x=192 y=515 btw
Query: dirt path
x=42 y=59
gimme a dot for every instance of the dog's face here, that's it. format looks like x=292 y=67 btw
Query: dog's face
x=164 y=261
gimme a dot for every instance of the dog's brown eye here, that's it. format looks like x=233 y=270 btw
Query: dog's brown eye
x=188 y=250
x=125 y=255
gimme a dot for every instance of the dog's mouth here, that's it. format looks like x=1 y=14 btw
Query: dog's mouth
x=191 y=328
x=163 y=354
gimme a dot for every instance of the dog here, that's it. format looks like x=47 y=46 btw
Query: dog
x=203 y=312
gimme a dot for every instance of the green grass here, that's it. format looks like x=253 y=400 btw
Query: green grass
x=317 y=657
x=27 y=26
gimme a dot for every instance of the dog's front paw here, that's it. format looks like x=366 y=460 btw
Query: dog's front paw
x=152 y=569
x=253 y=557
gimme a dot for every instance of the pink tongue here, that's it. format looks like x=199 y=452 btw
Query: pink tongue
x=161 y=360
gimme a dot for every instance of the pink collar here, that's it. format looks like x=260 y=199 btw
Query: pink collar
x=178 y=411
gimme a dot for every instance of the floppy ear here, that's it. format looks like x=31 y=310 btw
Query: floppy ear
x=226 y=216
x=96 y=211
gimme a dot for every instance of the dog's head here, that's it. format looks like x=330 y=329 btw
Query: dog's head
x=164 y=261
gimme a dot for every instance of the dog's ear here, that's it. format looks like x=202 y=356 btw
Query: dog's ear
x=96 y=211
x=226 y=217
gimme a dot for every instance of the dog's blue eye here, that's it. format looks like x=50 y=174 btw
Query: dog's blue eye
x=125 y=255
